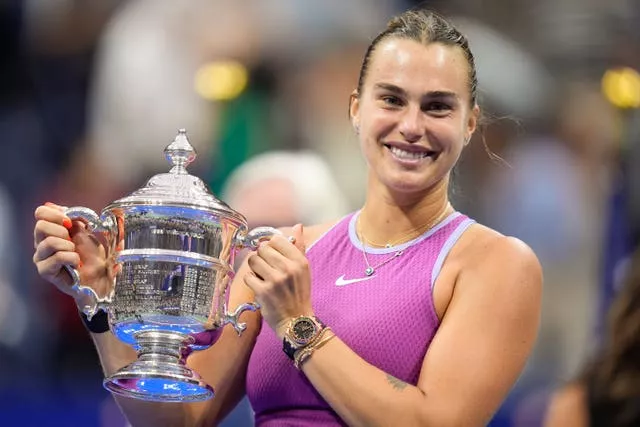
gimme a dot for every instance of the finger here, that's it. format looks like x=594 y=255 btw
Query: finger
x=260 y=267
x=50 y=246
x=298 y=234
x=288 y=249
x=51 y=267
x=272 y=257
x=50 y=212
x=254 y=283
x=44 y=229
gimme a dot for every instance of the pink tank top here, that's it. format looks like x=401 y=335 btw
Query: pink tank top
x=387 y=318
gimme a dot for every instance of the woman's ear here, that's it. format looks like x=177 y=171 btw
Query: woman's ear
x=472 y=123
x=354 y=110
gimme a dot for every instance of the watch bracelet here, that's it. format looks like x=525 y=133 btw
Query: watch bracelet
x=302 y=354
x=310 y=343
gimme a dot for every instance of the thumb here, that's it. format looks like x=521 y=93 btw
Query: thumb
x=298 y=233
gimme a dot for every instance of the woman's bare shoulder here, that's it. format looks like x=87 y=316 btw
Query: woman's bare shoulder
x=505 y=266
x=482 y=244
x=314 y=232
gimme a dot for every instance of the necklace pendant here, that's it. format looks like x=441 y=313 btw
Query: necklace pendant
x=369 y=271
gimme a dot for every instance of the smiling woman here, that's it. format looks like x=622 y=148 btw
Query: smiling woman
x=413 y=128
x=405 y=312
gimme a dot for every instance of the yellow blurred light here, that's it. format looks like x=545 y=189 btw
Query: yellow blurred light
x=221 y=80
x=622 y=87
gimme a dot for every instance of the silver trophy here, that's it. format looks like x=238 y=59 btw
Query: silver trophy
x=170 y=249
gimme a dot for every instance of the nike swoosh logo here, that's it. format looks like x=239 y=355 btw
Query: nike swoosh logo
x=341 y=281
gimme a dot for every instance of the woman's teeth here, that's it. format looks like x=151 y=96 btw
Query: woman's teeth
x=402 y=154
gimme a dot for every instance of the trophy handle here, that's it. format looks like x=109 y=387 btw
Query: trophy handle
x=87 y=299
x=233 y=318
x=252 y=239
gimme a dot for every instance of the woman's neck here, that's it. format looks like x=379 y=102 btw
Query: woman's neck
x=392 y=219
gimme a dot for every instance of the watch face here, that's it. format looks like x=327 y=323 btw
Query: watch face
x=304 y=329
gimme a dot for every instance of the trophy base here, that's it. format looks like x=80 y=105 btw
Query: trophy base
x=155 y=382
x=159 y=374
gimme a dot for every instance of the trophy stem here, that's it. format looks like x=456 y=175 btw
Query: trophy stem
x=161 y=345
x=160 y=373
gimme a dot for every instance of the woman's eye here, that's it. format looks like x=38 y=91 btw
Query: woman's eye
x=392 y=100
x=438 y=107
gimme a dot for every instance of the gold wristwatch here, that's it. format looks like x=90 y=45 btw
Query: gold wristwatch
x=301 y=331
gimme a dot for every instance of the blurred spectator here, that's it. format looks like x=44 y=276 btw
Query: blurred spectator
x=152 y=49
x=282 y=188
x=319 y=90
x=556 y=186
x=551 y=193
x=608 y=391
x=623 y=216
x=41 y=117
x=14 y=312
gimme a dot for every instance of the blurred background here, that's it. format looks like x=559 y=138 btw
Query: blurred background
x=92 y=91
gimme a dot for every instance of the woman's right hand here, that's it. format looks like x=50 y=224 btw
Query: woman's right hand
x=58 y=241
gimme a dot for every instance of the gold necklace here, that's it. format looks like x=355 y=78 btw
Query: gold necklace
x=372 y=269
x=420 y=229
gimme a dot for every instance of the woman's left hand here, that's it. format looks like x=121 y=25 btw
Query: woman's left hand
x=281 y=280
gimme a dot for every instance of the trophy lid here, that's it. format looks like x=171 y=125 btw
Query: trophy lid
x=178 y=187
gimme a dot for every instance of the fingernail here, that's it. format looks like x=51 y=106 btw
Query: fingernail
x=67 y=223
x=49 y=204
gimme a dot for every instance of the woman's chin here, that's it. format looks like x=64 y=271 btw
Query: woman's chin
x=410 y=185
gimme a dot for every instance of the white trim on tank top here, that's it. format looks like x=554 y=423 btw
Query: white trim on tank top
x=446 y=248
x=381 y=251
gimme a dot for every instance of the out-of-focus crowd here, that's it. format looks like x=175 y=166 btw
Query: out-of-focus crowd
x=91 y=93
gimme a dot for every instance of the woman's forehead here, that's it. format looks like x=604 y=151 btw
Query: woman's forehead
x=419 y=67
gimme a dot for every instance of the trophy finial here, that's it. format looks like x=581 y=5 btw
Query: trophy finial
x=180 y=153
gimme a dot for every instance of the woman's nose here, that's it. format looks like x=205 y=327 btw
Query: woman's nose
x=411 y=126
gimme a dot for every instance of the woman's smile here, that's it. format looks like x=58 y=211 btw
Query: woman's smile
x=410 y=155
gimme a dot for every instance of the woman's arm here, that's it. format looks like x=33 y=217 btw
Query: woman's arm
x=477 y=354
x=567 y=408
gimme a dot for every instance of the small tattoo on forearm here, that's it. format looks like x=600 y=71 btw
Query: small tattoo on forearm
x=396 y=383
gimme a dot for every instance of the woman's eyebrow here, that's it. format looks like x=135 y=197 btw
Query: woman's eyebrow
x=391 y=88
x=440 y=94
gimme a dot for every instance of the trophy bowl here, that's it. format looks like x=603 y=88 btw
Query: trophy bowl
x=170 y=249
